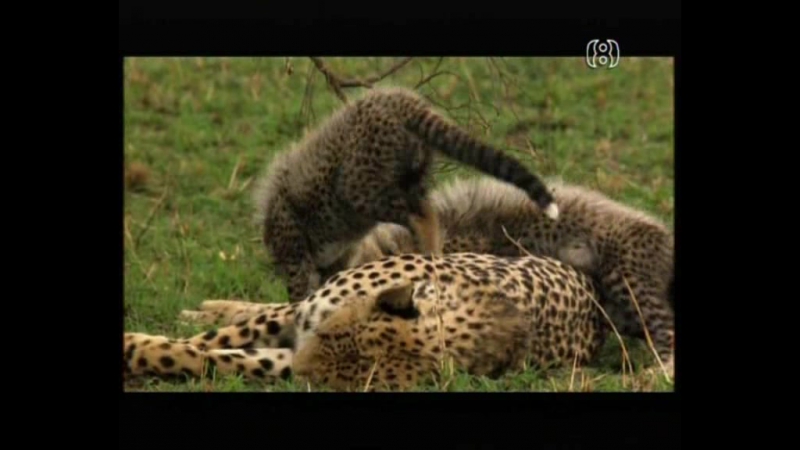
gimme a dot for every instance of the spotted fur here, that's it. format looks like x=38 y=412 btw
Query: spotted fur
x=609 y=241
x=369 y=162
x=393 y=323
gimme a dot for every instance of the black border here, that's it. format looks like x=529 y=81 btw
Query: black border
x=566 y=419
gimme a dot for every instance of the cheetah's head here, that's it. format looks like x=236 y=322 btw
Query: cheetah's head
x=347 y=334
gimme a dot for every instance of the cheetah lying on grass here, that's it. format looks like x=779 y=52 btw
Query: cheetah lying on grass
x=389 y=323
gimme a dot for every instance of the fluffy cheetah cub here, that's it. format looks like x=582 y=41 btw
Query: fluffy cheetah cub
x=390 y=323
x=369 y=162
x=628 y=252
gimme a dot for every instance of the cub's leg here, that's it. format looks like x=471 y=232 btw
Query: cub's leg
x=655 y=310
x=427 y=229
x=148 y=355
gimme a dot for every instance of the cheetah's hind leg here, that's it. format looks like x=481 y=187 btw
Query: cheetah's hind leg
x=159 y=356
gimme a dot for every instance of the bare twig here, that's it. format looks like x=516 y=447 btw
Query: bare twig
x=368 y=82
x=372 y=373
x=333 y=81
x=235 y=172
x=306 y=107
x=149 y=219
x=433 y=74
x=336 y=83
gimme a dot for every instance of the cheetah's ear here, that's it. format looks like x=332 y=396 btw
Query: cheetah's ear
x=398 y=301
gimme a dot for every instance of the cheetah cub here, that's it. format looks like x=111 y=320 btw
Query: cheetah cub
x=629 y=253
x=369 y=162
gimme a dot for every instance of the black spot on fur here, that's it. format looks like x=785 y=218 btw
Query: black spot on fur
x=224 y=341
x=285 y=342
x=241 y=323
x=167 y=362
x=191 y=353
x=250 y=351
x=210 y=335
x=165 y=346
x=273 y=328
x=258 y=373
x=129 y=352
x=409 y=267
x=286 y=373
x=334 y=300
x=244 y=332
x=445 y=278
x=142 y=362
x=226 y=358
x=261 y=319
x=266 y=363
x=389 y=264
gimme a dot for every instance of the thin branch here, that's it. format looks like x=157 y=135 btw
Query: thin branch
x=368 y=82
x=333 y=81
x=336 y=83
x=433 y=74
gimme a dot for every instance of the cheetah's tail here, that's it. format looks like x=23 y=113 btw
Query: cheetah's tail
x=460 y=146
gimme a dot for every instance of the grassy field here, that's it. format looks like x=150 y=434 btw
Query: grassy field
x=198 y=130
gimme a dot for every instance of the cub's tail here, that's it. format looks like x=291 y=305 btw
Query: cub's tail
x=457 y=144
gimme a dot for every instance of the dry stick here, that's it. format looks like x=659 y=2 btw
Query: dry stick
x=625 y=356
x=306 y=104
x=332 y=80
x=336 y=83
x=433 y=74
x=234 y=172
x=572 y=376
x=149 y=219
x=440 y=323
x=368 y=82
x=646 y=332
x=372 y=372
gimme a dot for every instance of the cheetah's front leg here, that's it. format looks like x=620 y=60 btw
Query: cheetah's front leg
x=273 y=327
x=145 y=354
x=223 y=312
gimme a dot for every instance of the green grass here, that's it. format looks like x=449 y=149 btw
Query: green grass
x=198 y=130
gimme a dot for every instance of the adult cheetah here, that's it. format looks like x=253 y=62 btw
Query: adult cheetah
x=628 y=253
x=390 y=323
x=369 y=162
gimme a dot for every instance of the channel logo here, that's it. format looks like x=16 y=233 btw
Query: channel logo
x=602 y=53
